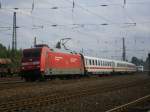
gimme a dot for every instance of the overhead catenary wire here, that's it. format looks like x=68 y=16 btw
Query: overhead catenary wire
x=92 y=13
x=88 y=11
x=65 y=25
x=0 y=4
x=32 y=8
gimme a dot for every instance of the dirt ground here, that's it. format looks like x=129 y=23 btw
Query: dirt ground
x=92 y=103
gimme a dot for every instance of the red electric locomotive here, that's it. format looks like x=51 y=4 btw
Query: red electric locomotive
x=42 y=62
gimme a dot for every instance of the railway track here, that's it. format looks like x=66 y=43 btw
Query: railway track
x=126 y=107
x=5 y=84
x=64 y=96
x=12 y=84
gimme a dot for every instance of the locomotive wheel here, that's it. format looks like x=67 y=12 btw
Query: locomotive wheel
x=41 y=77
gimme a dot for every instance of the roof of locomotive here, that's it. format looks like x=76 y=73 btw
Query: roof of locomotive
x=53 y=50
x=63 y=51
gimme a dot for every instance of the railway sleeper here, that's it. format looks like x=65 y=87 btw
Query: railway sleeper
x=50 y=99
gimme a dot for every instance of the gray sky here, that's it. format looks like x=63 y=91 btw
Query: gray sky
x=83 y=25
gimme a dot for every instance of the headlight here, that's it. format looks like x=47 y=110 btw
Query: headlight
x=36 y=63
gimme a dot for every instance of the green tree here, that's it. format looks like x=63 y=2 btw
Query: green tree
x=137 y=61
x=15 y=55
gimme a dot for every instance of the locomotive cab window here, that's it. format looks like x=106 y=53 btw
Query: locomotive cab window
x=32 y=53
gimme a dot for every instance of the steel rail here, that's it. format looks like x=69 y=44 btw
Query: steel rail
x=125 y=107
x=60 y=97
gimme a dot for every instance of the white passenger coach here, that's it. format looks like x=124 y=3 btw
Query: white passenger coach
x=95 y=65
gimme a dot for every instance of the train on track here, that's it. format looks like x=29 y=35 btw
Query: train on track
x=5 y=69
x=42 y=62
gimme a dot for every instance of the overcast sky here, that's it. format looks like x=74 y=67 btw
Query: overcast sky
x=95 y=28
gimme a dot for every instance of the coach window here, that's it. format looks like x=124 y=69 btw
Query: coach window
x=89 y=62
x=92 y=62
x=96 y=62
x=86 y=61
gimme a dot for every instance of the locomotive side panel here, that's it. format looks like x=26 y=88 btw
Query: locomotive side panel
x=64 y=64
